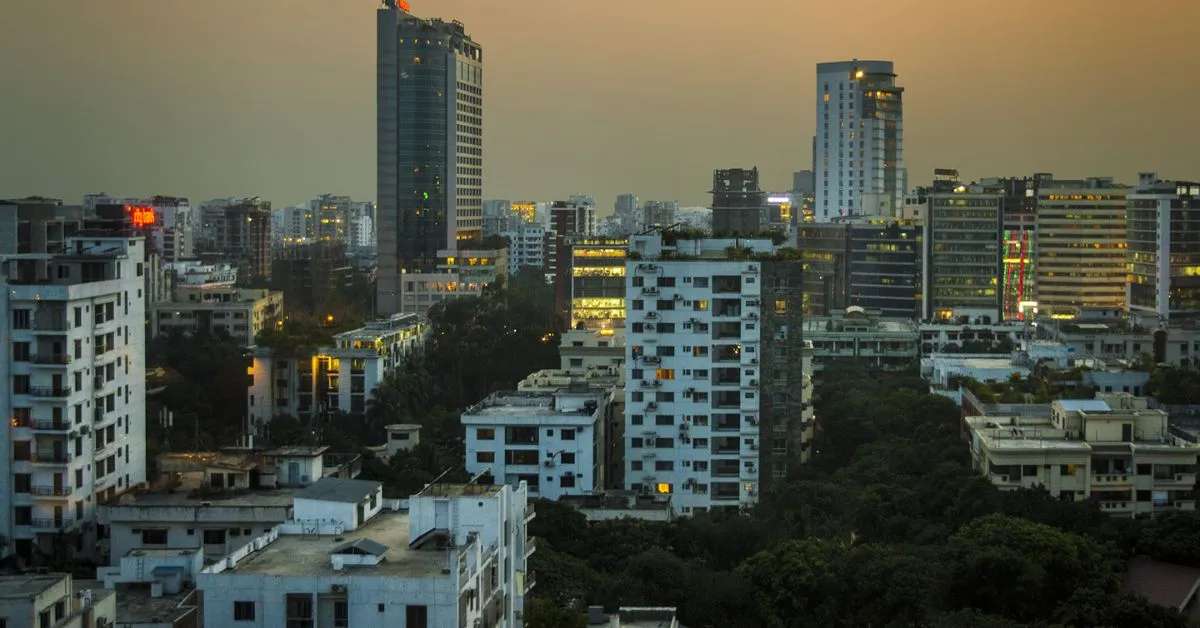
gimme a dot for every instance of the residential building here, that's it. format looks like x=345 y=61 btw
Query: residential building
x=965 y=335
x=661 y=213
x=621 y=504
x=718 y=388
x=457 y=557
x=430 y=183
x=859 y=144
x=165 y=220
x=1081 y=246
x=155 y=588
x=738 y=203
x=239 y=312
x=1112 y=450
x=528 y=247
x=1163 y=232
x=339 y=378
x=239 y=231
x=551 y=441
x=293 y=226
x=803 y=182
x=53 y=599
x=962 y=252
x=74 y=388
x=629 y=217
x=863 y=335
x=592 y=348
x=597 y=282
x=37 y=225
x=316 y=274
x=1124 y=339
x=194 y=273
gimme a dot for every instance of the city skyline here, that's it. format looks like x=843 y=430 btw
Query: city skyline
x=243 y=102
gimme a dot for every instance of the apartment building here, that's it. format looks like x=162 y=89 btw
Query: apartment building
x=528 y=247
x=74 y=387
x=462 y=273
x=1081 y=246
x=54 y=599
x=1112 y=450
x=718 y=389
x=738 y=205
x=338 y=378
x=592 y=348
x=456 y=557
x=1126 y=339
x=570 y=221
x=217 y=308
x=967 y=335
x=1164 y=257
x=553 y=442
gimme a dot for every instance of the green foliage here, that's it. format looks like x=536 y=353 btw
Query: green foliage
x=206 y=391
x=540 y=613
x=1173 y=537
x=1174 y=385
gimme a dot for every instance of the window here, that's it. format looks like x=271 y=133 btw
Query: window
x=416 y=617
x=664 y=465
x=485 y=433
x=22 y=482
x=485 y=456
x=664 y=443
x=635 y=465
x=567 y=481
x=243 y=611
x=341 y=614
x=154 y=536
x=568 y=457
x=664 y=419
x=568 y=433
x=299 y=610
x=214 y=537
x=664 y=374
x=21 y=319
x=1029 y=470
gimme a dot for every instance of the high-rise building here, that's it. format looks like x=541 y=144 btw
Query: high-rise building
x=429 y=143
x=661 y=213
x=738 y=202
x=166 y=222
x=243 y=236
x=824 y=251
x=1164 y=247
x=527 y=247
x=569 y=220
x=962 y=253
x=717 y=388
x=74 y=389
x=1081 y=246
x=802 y=182
x=1018 y=281
x=859 y=141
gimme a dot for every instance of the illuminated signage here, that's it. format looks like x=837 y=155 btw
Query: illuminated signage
x=141 y=216
x=779 y=199
x=403 y=4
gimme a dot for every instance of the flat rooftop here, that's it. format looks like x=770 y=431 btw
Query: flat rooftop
x=529 y=403
x=27 y=585
x=460 y=490
x=237 y=499
x=308 y=555
x=136 y=606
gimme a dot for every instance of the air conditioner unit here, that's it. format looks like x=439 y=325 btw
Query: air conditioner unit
x=338 y=588
x=549 y=463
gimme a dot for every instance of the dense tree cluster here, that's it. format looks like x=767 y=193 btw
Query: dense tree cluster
x=887 y=527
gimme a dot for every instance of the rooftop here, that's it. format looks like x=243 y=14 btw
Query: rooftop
x=265 y=498
x=338 y=490
x=28 y=585
x=297 y=451
x=135 y=605
x=1084 y=405
x=530 y=403
x=460 y=490
x=308 y=555
x=1162 y=583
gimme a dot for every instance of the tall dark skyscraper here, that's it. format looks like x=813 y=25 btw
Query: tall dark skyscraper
x=429 y=143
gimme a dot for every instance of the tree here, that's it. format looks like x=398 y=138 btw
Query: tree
x=795 y=582
x=541 y=613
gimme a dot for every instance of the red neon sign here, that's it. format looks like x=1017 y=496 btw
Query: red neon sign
x=403 y=4
x=141 y=216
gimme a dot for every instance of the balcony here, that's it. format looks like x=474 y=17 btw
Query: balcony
x=1188 y=479
x=530 y=513
x=50 y=525
x=530 y=546
x=49 y=392
x=51 y=491
x=1111 y=479
x=530 y=581
x=49 y=425
x=1003 y=480
x=55 y=360
x=49 y=326
x=49 y=458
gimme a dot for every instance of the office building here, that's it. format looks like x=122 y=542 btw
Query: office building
x=241 y=313
x=429 y=144
x=239 y=231
x=859 y=145
x=554 y=442
x=74 y=388
x=884 y=266
x=1081 y=246
x=1018 y=281
x=1164 y=248
x=569 y=221
x=628 y=215
x=718 y=388
x=597 y=283
x=825 y=252
x=456 y=557
x=1122 y=339
x=1112 y=450
x=316 y=275
x=54 y=599
x=738 y=203
x=962 y=252
x=165 y=220
x=338 y=378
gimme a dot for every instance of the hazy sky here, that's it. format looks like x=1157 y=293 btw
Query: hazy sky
x=277 y=97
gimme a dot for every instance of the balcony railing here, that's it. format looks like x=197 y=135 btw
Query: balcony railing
x=48 y=458
x=51 y=491
x=52 y=359
x=57 y=425
x=50 y=524
x=48 y=391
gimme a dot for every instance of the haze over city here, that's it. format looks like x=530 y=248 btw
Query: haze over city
x=277 y=98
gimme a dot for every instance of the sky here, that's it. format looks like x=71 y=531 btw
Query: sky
x=276 y=98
